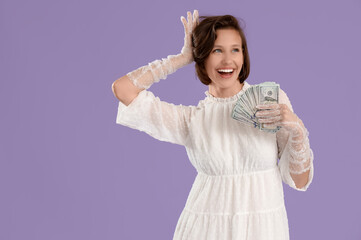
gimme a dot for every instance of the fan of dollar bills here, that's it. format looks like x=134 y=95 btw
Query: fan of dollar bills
x=245 y=108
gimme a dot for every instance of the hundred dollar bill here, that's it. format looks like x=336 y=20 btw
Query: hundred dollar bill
x=245 y=108
x=268 y=94
x=239 y=114
x=244 y=120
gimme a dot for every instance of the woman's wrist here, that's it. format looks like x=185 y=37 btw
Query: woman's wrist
x=298 y=131
x=180 y=60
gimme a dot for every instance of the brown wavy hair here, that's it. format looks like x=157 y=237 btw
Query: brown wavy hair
x=203 y=38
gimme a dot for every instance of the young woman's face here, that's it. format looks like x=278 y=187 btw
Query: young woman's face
x=225 y=61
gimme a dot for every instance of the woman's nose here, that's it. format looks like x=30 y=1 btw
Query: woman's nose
x=227 y=58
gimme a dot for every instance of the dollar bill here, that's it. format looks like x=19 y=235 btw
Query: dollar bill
x=245 y=108
x=268 y=94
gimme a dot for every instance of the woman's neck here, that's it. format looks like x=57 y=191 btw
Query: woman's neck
x=224 y=92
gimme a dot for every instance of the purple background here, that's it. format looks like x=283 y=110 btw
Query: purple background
x=68 y=171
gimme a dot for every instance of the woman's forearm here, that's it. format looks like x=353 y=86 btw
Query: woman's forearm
x=301 y=156
x=126 y=88
x=301 y=179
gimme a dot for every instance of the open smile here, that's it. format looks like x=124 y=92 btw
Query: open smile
x=225 y=72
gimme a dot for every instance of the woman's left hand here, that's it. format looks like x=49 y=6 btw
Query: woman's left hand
x=278 y=115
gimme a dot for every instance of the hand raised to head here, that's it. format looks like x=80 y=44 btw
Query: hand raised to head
x=189 y=25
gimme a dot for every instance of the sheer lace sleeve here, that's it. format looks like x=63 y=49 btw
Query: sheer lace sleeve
x=161 y=120
x=289 y=160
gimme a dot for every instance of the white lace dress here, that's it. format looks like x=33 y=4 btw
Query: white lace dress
x=238 y=192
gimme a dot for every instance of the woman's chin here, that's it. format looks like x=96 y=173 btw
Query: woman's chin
x=229 y=84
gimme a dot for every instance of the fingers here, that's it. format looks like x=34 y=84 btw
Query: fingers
x=195 y=18
x=191 y=22
x=272 y=125
x=268 y=113
x=268 y=106
x=189 y=17
x=270 y=119
x=184 y=21
x=272 y=115
x=189 y=26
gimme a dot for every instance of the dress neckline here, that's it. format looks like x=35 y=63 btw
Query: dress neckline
x=227 y=99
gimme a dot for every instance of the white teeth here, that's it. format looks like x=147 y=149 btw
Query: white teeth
x=225 y=70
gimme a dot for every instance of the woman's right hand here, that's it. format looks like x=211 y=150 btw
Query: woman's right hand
x=128 y=87
x=189 y=26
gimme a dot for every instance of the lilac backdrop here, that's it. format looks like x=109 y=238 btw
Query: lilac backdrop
x=68 y=171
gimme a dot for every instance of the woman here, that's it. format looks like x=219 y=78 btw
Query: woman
x=238 y=192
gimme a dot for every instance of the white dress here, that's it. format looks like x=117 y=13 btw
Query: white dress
x=238 y=192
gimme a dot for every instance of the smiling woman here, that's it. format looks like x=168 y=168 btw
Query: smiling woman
x=238 y=191
x=224 y=64
x=219 y=42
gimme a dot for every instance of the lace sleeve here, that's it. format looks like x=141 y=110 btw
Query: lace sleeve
x=289 y=162
x=161 y=120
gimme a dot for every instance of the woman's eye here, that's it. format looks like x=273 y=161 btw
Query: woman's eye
x=219 y=50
